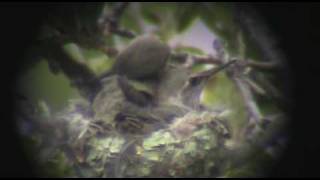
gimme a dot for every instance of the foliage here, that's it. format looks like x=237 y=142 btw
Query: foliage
x=170 y=139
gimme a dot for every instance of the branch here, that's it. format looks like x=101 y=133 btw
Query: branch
x=193 y=59
x=119 y=10
x=192 y=91
x=52 y=47
x=211 y=72
x=235 y=73
x=251 y=107
x=209 y=59
x=261 y=65
x=110 y=23
x=255 y=87
x=121 y=32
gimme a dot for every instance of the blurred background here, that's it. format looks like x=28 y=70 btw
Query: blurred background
x=201 y=33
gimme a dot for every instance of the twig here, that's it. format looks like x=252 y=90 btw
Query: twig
x=243 y=84
x=255 y=117
x=205 y=60
x=184 y=57
x=261 y=65
x=119 y=10
x=110 y=23
x=235 y=73
x=211 y=72
x=121 y=32
x=254 y=114
x=255 y=87
x=192 y=90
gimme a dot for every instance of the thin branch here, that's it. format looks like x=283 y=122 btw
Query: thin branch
x=119 y=10
x=255 y=87
x=211 y=72
x=122 y=32
x=235 y=73
x=179 y=57
x=80 y=75
x=262 y=65
x=190 y=60
x=109 y=23
x=205 y=60
x=184 y=57
x=192 y=90
x=254 y=114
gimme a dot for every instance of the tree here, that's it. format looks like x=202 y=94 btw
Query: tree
x=103 y=28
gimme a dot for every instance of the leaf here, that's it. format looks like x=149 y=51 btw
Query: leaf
x=190 y=148
x=252 y=51
x=203 y=134
x=97 y=61
x=219 y=19
x=57 y=166
x=218 y=16
x=38 y=83
x=145 y=170
x=162 y=15
x=197 y=68
x=152 y=12
x=93 y=155
x=82 y=133
x=185 y=15
x=130 y=20
x=158 y=138
x=150 y=16
x=75 y=52
x=116 y=145
x=44 y=109
x=152 y=156
x=189 y=49
x=90 y=14
x=141 y=86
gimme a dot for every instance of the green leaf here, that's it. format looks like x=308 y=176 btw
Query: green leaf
x=116 y=145
x=189 y=49
x=75 y=52
x=130 y=20
x=44 y=109
x=185 y=15
x=97 y=61
x=145 y=170
x=163 y=16
x=141 y=86
x=152 y=156
x=220 y=20
x=57 y=166
x=39 y=83
x=152 y=11
x=158 y=138
x=191 y=148
x=150 y=16
x=252 y=51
